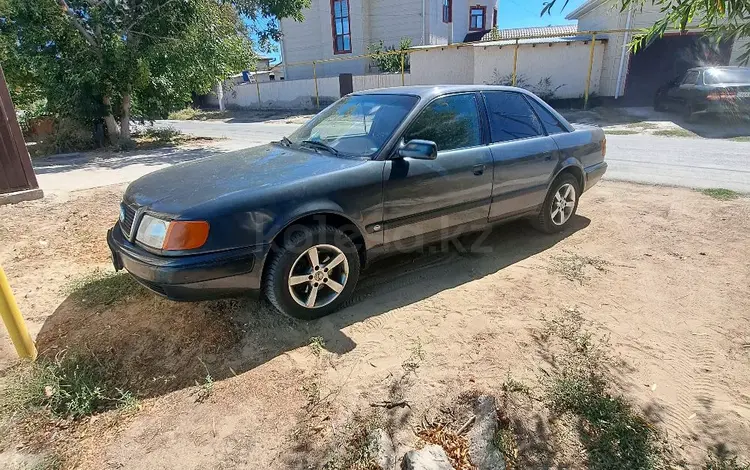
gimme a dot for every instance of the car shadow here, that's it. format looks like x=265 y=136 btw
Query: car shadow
x=113 y=161
x=156 y=346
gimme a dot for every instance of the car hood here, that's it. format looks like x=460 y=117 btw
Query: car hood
x=235 y=176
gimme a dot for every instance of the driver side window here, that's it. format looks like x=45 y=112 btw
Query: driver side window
x=452 y=122
x=691 y=78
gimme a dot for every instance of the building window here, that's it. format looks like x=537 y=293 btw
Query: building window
x=342 y=37
x=447 y=11
x=494 y=18
x=477 y=14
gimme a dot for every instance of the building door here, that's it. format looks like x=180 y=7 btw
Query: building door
x=666 y=59
x=16 y=173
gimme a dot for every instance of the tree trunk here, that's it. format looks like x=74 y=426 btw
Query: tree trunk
x=109 y=119
x=220 y=94
x=125 y=118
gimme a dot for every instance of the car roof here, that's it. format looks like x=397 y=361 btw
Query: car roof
x=430 y=91
x=719 y=67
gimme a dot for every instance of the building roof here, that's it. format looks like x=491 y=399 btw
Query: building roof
x=586 y=7
x=527 y=33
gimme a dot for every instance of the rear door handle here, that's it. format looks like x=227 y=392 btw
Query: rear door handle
x=479 y=169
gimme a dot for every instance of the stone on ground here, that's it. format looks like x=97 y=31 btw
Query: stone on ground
x=428 y=458
x=483 y=452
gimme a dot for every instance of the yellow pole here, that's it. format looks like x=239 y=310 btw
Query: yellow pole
x=13 y=320
x=402 y=69
x=315 y=78
x=257 y=87
x=591 y=68
x=515 y=63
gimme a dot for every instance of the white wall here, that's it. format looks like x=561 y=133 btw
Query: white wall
x=300 y=94
x=438 y=66
x=565 y=64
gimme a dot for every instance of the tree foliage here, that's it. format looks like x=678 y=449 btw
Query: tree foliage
x=385 y=58
x=721 y=19
x=97 y=59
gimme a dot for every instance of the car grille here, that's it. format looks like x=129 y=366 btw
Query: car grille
x=127 y=217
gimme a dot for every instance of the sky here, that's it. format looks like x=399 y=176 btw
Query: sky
x=511 y=14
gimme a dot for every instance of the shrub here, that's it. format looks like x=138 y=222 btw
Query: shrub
x=390 y=63
x=544 y=88
x=70 y=386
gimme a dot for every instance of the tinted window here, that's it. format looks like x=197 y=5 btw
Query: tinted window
x=511 y=117
x=451 y=122
x=551 y=124
x=691 y=78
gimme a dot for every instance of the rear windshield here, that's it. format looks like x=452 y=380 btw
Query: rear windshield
x=726 y=76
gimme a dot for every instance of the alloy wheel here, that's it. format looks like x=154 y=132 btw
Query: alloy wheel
x=318 y=276
x=563 y=204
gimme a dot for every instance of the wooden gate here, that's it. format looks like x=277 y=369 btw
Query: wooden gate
x=16 y=173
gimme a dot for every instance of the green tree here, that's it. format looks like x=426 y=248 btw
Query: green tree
x=722 y=19
x=119 y=59
x=385 y=58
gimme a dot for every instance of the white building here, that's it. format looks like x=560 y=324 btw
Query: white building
x=634 y=78
x=340 y=28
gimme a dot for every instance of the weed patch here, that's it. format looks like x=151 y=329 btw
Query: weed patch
x=70 y=386
x=717 y=461
x=416 y=357
x=193 y=114
x=674 y=133
x=356 y=448
x=613 y=432
x=573 y=266
x=104 y=288
x=721 y=193
x=620 y=132
x=316 y=345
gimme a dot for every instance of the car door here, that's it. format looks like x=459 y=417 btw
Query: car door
x=424 y=199
x=524 y=156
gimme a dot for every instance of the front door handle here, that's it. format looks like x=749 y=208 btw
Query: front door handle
x=479 y=169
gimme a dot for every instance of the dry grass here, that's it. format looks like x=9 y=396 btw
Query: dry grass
x=721 y=193
x=455 y=446
x=573 y=266
x=674 y=133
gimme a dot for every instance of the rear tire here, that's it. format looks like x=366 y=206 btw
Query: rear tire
x=559 y=206
x=313 y=273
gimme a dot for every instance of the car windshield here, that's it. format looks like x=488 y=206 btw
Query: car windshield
x=727 y=76
x=357 y=125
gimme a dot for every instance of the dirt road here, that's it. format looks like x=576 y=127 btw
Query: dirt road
x=663 y=271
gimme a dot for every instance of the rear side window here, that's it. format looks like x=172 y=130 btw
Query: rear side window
x=511 y=117
x=452 y=122
x=551 y=124
x=691 y=78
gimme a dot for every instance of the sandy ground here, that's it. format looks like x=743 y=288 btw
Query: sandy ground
x=672 y=292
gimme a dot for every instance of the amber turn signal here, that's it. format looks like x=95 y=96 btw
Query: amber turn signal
x=185 y=235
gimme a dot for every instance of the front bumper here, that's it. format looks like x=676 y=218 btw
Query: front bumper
x=594 y=173
x=194 y=277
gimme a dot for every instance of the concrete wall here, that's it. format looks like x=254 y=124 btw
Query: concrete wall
x=447 y=65
x=608 y=17
x=299 y=94
x=565 y=64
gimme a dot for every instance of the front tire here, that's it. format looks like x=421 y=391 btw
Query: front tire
x=559 y=206
x=313 y=273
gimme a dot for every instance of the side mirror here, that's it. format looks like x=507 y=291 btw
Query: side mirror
x=419 y=149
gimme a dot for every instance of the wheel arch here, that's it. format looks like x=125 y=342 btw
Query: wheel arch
x=573 y=167
x=328 y=215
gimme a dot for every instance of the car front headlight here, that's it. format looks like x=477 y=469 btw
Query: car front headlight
x=172 y=235
x=152 y=231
